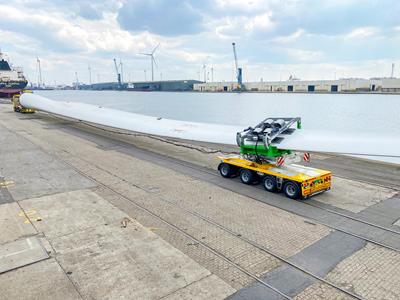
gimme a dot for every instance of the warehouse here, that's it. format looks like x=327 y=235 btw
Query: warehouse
x=348 y=85
x=166 y=85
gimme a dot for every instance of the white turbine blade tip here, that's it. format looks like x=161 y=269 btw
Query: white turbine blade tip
x=154 y=50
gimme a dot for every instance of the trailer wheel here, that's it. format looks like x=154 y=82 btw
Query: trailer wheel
x=226 y=170
x=291 y=189
x=247 y=176
x=270 y=184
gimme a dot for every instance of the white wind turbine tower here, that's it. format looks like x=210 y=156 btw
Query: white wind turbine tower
x=152 y=60
x=40 y=80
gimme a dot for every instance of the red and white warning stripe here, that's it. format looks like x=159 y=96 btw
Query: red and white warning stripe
x=280 y=161
x=306 y=156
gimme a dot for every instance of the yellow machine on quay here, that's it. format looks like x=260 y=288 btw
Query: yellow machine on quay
x=17 y=105
x=261 y=160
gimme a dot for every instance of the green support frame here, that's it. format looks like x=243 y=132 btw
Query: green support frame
x=261 y=150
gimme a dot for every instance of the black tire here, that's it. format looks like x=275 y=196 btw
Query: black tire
x=291 y=189
x=226 y=170
x=270 y=184
x=247 y=176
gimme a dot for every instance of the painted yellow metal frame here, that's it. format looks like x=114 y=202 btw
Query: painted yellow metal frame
x=311 y=180
x=18 y=107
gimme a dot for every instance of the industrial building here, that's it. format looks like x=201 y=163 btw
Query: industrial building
x=166 y=85
x=347 y=85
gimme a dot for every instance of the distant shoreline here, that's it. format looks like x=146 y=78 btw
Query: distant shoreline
x=298 y=92
x=234 y=92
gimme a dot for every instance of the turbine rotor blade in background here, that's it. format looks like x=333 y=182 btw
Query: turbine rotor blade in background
x=154 y=50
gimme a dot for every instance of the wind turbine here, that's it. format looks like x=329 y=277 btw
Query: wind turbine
x=77 y=81
x=152 y=60
x=40 y=80
x=90 y=75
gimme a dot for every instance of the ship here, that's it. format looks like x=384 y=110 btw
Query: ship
x=12 y=79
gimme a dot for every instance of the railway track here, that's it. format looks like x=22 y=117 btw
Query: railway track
x=216 y=252
x=210 y=175
x=181 y=231
x=353 y=218
x=264 y=249
x=324 y=209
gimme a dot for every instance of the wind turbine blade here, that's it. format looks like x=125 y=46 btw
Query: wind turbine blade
x=154 y=60
x=147 y=54
x=154 y=50
x=301 y=140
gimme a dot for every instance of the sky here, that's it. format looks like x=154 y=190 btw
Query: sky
x=308 y=39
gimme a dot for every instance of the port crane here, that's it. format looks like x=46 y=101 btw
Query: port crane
x=237 y=69
x=118 y=74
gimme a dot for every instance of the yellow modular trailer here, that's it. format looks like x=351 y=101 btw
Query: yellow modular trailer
x=295 y=181
x=17 y=105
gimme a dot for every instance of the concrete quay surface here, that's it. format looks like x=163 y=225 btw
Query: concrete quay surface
x=88 y=213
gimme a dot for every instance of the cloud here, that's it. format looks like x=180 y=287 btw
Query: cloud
x=43 y=27
x=305 y=55
x=92 y=10
x=332 y=18
x=291 y=37
x=162 y=17
x=233 y=27
x=261 y=22
x=190 y=56
x=89 y=11
x=362 y=32
x=56 y=32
